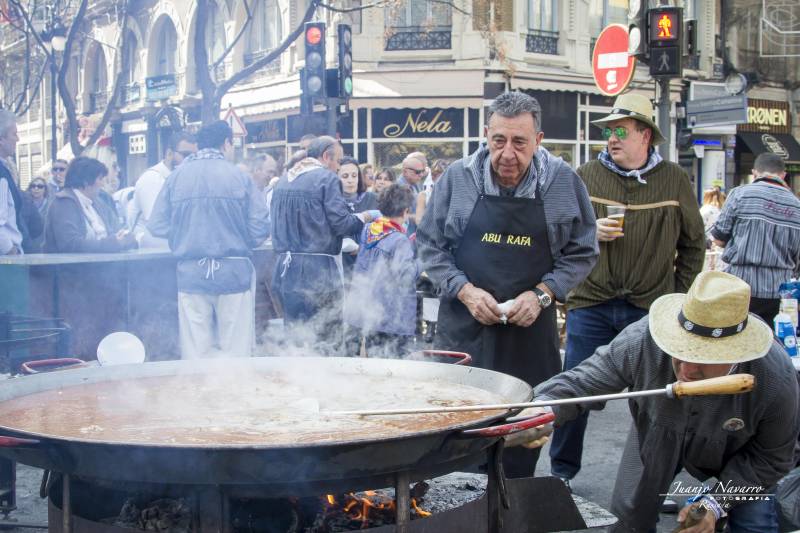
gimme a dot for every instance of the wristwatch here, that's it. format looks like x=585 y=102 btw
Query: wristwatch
x=544 y=298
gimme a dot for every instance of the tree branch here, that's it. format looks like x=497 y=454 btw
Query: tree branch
x=201 y=71
x=124 y=44
x=19 y=111
x=66 y=98
x=27 y=78
x=236 y=39
x=453 y=5
x=335 y=9
x=31 y=29
x=246 y=72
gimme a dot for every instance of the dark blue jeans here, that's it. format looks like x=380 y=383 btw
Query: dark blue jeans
x=751 y=517
x=588 y=328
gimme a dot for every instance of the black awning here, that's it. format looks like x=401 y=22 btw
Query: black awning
x=781 y=144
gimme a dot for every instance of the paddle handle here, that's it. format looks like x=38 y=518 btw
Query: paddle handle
x=733 y=384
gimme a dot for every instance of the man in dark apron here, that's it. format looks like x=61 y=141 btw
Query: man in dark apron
x=510 y=222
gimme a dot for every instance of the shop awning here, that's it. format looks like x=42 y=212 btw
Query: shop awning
x=781 y=144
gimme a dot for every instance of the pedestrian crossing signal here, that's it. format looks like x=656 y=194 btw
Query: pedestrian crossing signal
x=665 y=25
x=665 y=28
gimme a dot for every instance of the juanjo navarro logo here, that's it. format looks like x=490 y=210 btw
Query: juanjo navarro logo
x=500 y=238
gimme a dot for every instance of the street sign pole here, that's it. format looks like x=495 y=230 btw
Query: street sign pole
x=664 y=123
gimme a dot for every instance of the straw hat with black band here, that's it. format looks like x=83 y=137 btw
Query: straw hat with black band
x=633 y=106
x=710 y=324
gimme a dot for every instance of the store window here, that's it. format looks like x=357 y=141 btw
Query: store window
x=565 y=151
x=392 y=154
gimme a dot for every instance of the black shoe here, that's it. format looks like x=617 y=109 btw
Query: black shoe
x=669 y=506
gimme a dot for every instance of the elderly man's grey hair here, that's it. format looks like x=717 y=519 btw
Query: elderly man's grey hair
x=7 y=119
x=513 y=104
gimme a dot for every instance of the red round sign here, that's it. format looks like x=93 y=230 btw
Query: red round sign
x=612 y=67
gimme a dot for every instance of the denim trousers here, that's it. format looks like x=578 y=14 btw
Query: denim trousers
x=588 y=328
x=751 y=517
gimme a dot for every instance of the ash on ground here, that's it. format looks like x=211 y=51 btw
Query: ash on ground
x=163 y=515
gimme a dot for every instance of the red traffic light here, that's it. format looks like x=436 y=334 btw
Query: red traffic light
x=664 y=25
x=313 y=35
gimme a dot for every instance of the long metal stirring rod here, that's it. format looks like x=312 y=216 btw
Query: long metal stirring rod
x=732 y=384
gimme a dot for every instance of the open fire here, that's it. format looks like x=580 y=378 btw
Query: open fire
x=370 y=508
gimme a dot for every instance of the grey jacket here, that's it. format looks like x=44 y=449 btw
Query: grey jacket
x=568 y=211
x=691 y=432
x=213 y=216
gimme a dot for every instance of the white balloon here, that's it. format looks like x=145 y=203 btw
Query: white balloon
x=120 y=348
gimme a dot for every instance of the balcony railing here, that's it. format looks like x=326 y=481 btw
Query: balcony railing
x=271 y=67
x=542 y=42
x=132 y=93
x=98 y=101
x=418 y=38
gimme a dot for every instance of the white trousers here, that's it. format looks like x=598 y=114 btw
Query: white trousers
x=216 y=325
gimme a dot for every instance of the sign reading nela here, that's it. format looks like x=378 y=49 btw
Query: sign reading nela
x=416 y=123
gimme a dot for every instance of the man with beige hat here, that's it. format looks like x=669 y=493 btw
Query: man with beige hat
x=655 y=247
x=746 y=442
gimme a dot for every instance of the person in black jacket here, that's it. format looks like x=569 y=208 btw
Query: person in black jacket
x=77 y=222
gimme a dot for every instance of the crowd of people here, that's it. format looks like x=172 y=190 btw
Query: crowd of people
x=501 y=236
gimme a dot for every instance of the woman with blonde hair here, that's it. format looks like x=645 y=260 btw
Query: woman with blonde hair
x=710 y=210
x=712 y=207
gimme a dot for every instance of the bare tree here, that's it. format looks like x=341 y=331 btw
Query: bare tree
x=78 y=28
x=213 y=92
x=22 y=70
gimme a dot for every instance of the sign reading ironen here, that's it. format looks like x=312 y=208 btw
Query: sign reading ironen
x=405 y=123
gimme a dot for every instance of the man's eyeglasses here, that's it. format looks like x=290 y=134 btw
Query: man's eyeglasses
x=620 y=132
x=415 y=171
x=37 y=186
x=59 y=169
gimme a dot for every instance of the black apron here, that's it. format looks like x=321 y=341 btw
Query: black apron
x=505 y=251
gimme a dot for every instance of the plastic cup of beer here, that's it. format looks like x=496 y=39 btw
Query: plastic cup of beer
x=617 y=214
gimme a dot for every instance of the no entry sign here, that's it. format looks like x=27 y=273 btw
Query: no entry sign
x=612 y=67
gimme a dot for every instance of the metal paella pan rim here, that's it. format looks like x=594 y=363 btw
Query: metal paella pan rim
x=357 y=380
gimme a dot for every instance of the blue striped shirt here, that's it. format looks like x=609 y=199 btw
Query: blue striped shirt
x=760 y=224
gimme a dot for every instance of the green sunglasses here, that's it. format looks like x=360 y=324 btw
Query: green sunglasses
x=619 y=131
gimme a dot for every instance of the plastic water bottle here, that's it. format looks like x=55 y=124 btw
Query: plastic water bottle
x=784 y=331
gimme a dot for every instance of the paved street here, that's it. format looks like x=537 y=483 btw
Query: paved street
x=605 y=438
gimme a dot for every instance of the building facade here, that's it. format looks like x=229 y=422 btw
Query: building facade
x=424 y=72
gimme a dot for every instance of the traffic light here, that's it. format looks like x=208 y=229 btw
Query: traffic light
x=690 y=38
x=345 y=45
x=664 y=39
x=313 y=81
x=637 y=29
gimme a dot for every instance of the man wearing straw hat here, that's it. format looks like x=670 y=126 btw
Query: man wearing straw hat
x=659 y=249
x=745 y=441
